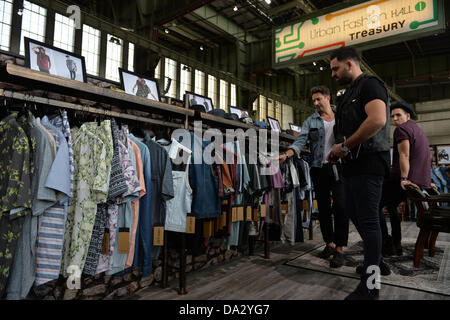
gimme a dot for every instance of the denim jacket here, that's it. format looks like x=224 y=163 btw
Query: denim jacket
x=313 y=130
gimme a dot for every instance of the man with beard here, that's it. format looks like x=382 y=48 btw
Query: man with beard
x=362 y=141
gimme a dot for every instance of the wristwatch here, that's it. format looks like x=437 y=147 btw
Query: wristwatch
x=404 y=178
x=344 y=148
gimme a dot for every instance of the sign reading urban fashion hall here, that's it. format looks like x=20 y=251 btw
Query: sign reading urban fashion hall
x=366 y=24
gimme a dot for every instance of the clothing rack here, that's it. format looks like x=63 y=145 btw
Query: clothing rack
x=14 y=76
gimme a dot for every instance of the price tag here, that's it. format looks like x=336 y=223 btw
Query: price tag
x=105 y=243
x=234 y=214
x=158 y=236
x=124 y=240
x=190 y=224
x=263 y=210
x=255 y=215
x=248 y=216
x=240 y=214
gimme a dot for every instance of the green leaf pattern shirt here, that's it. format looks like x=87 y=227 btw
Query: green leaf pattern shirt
x=93 y=152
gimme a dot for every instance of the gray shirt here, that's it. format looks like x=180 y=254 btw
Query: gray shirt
x=23 y=268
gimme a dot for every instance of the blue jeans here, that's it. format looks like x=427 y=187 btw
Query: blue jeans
x=363 y=195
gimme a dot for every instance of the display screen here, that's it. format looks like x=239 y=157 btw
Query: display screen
x=195 y=99
x=274 y=124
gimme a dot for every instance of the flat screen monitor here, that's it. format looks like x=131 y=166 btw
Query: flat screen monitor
x=193 y=99
x=295 y=128
x=241 y=113
x=274 y=124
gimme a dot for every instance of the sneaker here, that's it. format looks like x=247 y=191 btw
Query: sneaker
x=384 y=269
x=363 y=293
x=338 y=260
x=327 y=252
x=398 y=249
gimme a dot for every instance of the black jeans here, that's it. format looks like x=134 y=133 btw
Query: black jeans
x=326 y=187
x=363 y=195
x=392 y=196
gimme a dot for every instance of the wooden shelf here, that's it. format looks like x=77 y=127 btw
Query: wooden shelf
x=51 y=83
x=35 y=80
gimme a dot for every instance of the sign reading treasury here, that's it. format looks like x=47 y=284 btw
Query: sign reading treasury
x=365 y=24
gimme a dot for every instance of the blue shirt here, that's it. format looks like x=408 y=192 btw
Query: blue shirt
x=144 y=230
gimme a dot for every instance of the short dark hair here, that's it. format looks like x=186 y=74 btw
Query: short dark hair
x=320 y=89
x=345 y=53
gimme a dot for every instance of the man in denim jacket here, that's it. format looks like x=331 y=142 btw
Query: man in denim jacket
x=318 y=129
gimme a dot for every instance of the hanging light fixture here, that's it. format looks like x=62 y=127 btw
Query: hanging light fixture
x=235 y=8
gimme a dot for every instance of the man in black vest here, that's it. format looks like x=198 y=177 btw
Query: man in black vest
x=362 y=141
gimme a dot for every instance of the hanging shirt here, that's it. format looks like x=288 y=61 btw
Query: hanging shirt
x=179 y=206
x=24 y=266
x=51 y=231
x=135 y=204
x=161 y=185
x=16 y=170
x=93 y=153
x=144 y=231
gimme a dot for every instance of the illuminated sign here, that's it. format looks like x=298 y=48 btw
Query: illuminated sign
x=366 y=24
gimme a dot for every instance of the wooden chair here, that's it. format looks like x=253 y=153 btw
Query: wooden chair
x=431 y=220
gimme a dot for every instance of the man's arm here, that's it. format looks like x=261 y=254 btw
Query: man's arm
x=299 y=143
x=375 y=121
x=403 y=152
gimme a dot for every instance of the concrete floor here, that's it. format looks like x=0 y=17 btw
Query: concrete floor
x=256 y=278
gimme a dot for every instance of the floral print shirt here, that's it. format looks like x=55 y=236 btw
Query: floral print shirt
x=16 y=168
x=93 y=152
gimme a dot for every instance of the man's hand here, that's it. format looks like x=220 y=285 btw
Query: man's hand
x=336 y=154
x=405 y=183
x=284 y=156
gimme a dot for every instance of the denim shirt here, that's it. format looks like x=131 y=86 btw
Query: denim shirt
x=313 y=130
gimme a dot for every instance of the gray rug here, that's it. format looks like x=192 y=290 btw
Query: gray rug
x=433 y=275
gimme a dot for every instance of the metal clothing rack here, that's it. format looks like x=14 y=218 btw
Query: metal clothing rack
x=17 y=82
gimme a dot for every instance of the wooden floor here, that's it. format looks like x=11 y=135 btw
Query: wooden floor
x=256 y=278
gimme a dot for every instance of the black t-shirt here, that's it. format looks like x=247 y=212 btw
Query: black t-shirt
x=374 y=163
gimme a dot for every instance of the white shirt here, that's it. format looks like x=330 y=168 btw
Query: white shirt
x=329 y=139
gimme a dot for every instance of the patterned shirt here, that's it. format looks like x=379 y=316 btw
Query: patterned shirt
x=16 y=168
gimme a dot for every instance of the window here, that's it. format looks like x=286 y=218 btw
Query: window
x=270 y=108
x=64 y=33
x=33 y=24
x=255 y=105
x=199 y=82
x=185 y=80
x=223 y=95
x=171 y=72
x=262 y=108
x=212 y=85
x=278 y=112
x=90 y=49
x=233 y=99
x=5 y=24
x=287 y=116
x=113 y=57
x=158 y=69
x=131 y=57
